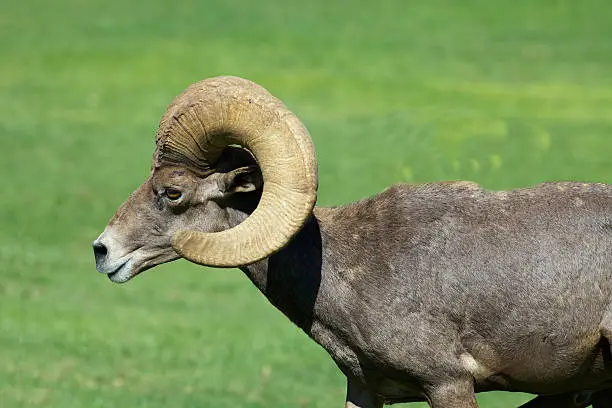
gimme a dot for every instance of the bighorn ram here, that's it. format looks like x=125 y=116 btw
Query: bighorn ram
x=421 y=293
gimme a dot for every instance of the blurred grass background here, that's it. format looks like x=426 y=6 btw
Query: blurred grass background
x=506 y=94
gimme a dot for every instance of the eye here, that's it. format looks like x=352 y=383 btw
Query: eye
x=173 y=194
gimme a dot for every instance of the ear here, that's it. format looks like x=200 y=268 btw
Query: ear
x=241 y=180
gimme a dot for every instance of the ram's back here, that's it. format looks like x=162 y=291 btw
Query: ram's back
x=462 y=226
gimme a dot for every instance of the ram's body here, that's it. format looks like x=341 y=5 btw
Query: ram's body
x=423 y=292
x=425 y=281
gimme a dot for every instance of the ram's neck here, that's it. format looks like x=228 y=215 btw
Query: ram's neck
x=290 y=279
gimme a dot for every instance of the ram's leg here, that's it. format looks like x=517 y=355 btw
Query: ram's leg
x=359 y=396
x=602 y=399
x=580 y=399
x=456 y=394
x=605 y=329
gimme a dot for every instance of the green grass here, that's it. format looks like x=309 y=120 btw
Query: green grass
x=507 y=94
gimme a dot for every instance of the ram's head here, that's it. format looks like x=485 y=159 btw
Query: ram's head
x=178 y=210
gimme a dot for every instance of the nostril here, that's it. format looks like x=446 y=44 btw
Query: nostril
x=100 y=250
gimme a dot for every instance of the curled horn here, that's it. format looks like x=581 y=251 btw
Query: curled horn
x=215 y=113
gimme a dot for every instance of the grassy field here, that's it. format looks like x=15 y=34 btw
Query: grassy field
x=503 y=93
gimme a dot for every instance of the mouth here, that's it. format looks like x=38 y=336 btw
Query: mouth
x=121 y=274
x=132 y=266
x=126 y=272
